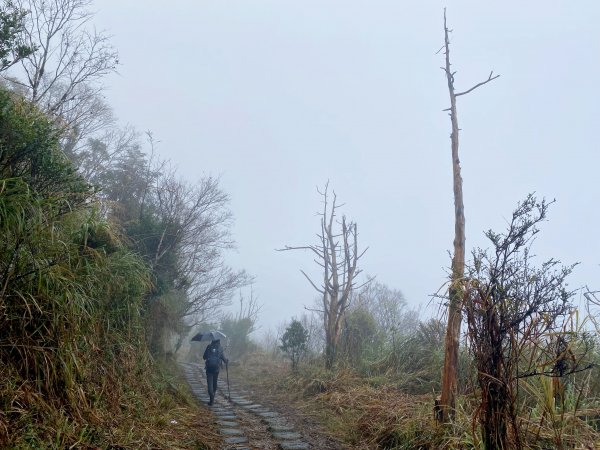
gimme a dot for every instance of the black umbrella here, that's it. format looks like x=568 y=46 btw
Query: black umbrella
x=208 y=336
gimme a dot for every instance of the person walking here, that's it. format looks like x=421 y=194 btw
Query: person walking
x=213 y=356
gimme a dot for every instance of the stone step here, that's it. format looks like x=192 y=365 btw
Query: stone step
x=236 y=440
x=268 y=414
x=231 y=431
x=294 y=445
x=260 y=410
x=275 y=420
x=226 y=418
x=286 y=435
x=231 y=417
x=279 y=427
x=228 y=423
x=252 y=406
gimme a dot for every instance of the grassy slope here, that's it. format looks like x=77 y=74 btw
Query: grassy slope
x=362 y=413
x=75 y=371
x=372 y=413
x=153 y=411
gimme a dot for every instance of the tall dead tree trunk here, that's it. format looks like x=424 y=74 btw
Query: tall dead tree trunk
x=456 y=290
x=337 y=254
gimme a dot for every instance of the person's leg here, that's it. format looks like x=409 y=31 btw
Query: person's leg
x=209 y=382
x=215 y=381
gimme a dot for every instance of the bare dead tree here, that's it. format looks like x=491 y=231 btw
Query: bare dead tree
x=456 y=290
x=63 y=76
x=337 y=254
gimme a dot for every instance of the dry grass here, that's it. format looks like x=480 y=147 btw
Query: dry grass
x=75 y=371
x=373 y=413
x=351 y=408
x=153 y=412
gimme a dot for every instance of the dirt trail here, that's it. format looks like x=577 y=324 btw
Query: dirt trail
x=245 y=423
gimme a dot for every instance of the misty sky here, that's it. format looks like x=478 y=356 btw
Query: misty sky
x=277 y=97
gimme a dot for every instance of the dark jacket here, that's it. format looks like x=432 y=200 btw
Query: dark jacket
x=214 y=348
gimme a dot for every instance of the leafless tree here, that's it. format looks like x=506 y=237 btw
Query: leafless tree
x=86 y=115
x=337 y=254
x=63 y=76
x=456 y=289
x=195 y=222
x=184 y=231
x=249 y=307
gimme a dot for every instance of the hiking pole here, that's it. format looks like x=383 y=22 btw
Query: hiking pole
x=227 y=372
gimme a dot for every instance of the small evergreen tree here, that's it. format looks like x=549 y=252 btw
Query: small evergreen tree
x=293 y=342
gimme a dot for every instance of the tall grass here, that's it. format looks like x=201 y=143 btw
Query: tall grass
x=74 y=367
x=389 y=407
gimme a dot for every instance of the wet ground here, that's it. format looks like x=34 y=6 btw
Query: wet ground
x=245 y=423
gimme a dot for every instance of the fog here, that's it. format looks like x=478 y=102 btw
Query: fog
x=279 y=97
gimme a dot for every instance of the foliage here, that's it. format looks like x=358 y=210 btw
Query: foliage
x=238 y=327
x=416 y=359
x=237 y=332
x=360 y=342
x=377 y=323
x=315 y=342
x=518 y=322
x=293 y=342
x=388 y=308
x=12 y=48
x=74 y=367
x=180 y=229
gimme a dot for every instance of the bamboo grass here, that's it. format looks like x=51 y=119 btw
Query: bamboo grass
x=75 y=371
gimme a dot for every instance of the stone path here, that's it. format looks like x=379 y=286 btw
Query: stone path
x=244 y=424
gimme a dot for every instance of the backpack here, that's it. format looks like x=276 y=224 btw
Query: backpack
x=213 y=361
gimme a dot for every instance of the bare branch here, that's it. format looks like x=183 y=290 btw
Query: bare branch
x=312 y=248
x=490 y=78
x=321 y=291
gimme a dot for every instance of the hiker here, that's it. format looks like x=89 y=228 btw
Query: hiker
x=213 y=355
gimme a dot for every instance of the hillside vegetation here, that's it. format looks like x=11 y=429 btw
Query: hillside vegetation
x=110 y=261
x=74 y=365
